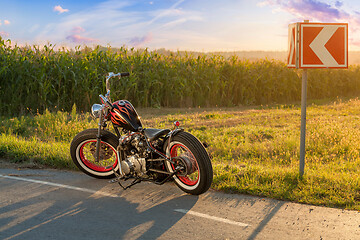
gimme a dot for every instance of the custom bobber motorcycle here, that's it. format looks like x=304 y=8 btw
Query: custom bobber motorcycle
x=139 y=154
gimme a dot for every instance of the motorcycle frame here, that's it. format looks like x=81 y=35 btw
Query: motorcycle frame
x=122 y=176
x=104 y=117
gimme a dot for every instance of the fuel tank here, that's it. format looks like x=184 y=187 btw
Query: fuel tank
x=125 y=116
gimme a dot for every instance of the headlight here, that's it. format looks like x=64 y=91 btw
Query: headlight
x=96 y=110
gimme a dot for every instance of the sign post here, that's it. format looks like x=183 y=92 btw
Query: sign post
x=315 y=45
x=303 y=122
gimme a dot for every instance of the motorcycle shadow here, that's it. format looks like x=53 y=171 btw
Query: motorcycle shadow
x=43 y=212
x=157 y=220
x=153 y=210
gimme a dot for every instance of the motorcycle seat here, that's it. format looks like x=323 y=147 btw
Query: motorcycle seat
x=153 y=133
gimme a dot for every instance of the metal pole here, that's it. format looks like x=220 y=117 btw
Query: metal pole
x=303 y=122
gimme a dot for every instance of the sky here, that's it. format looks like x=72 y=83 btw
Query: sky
x=191 y=25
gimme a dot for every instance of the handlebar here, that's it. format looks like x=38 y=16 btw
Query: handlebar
x=106 y=99
x=125 y=74
x=111 y=74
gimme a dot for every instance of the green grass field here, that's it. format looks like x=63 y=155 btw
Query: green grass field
x=255 y=150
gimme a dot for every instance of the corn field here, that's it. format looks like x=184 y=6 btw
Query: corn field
x=34 y=78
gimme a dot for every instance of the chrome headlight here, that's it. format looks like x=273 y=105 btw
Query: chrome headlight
x=96 y=110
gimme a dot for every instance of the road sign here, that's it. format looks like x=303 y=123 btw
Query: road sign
x=315 y=45
x=293 y=47
x=318 y=45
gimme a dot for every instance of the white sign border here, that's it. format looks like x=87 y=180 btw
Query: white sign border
x=302 y=65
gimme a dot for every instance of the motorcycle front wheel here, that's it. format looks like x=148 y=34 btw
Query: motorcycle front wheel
x=83 y=148
x=189 y=154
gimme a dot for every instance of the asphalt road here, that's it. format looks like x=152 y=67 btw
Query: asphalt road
x=52 y=204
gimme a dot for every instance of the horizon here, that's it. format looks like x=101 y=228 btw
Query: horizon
x=195 y=26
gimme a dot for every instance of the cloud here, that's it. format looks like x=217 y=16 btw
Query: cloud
x=4 y=34
x=74 y=37
x=118 y=23
x=172 y=11
x=315 y=10
x=78 y=30
x=338 y=4
x=6 y=22
x=59 y=9
x=139 y=41
x=310 y=9
x=264 y=3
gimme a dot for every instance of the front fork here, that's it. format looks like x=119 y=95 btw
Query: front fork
x=98 y=145
x=98 y=139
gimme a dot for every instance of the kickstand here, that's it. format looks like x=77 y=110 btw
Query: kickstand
x=118 y=178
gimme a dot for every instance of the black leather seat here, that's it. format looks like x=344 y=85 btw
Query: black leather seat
x=153 y=133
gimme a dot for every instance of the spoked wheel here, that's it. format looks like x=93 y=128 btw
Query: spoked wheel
x=83 y=149
x=192 y=162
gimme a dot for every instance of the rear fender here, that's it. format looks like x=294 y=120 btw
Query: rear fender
x=169 y=136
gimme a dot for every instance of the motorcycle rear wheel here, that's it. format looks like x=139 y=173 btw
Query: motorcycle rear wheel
x=184 y=147
x=82 y=150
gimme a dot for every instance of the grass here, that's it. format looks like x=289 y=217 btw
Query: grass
x=255 y=150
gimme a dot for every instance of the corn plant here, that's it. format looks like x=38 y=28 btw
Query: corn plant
x=34 y=78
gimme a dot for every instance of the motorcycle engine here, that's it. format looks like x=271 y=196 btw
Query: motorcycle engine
x=136 y=153
x=133 y=164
